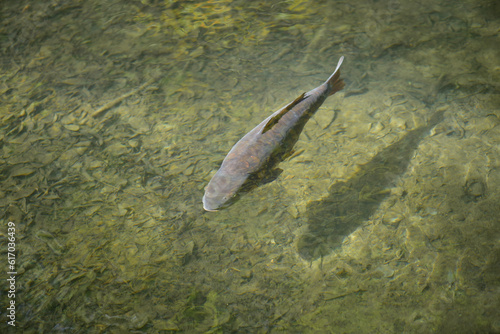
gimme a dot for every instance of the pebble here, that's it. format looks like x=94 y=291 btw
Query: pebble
x=72 y=127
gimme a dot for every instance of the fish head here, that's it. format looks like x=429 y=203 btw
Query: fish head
x=221 y=191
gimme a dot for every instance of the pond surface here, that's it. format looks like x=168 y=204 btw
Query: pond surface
x=114 y=116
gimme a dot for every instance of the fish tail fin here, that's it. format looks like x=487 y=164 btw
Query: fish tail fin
x=334 y=81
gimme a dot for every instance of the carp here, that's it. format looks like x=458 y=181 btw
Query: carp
x=254 y=157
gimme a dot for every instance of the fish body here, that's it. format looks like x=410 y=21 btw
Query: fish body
x=254 y=157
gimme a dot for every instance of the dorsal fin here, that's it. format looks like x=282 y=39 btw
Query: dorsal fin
x=274 y=120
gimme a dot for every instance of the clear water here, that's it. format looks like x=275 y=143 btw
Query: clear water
x=114 y=116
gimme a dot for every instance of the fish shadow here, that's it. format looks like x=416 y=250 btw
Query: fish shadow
x=348 y=204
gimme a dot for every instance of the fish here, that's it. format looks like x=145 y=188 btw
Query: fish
x=253 y=159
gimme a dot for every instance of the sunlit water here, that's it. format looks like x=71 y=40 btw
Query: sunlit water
x=115 y=115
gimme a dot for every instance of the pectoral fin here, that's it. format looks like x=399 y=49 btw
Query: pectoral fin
x=274 y=120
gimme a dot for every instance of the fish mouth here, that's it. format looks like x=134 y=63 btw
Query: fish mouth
x=205 y=206
x=209 y=210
